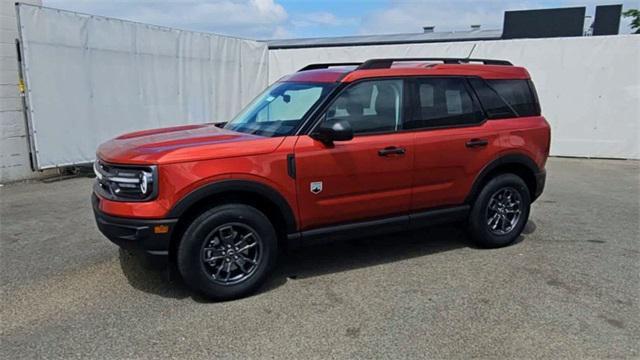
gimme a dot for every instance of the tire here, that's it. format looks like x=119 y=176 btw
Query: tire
x=219 y=235
x=492 y=222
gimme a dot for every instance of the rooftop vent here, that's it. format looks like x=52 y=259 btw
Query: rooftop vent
x=428 y=29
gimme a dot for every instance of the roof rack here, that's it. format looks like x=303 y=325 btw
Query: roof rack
x=386 y=63
x=328 y=65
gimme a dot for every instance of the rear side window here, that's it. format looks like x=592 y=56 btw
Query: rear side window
x=442 y=102
x=494 y=105
x=517 y=95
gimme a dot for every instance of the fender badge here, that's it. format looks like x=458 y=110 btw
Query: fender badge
x=316 y=187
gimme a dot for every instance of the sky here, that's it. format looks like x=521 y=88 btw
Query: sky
x=271 y=19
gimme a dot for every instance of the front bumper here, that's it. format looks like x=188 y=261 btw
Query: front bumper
x=150 y=237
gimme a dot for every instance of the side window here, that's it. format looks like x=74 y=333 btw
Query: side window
x=518 y=94
x=442 y=102
x=494 y=105
x=370 y=107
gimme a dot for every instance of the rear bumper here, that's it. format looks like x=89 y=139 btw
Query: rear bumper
x=139 y=235
x=541 y=179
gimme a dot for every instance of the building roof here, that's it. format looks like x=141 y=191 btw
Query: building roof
x=425 y=37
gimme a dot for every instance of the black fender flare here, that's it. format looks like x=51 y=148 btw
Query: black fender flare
x=510 y=159
x=245 y=186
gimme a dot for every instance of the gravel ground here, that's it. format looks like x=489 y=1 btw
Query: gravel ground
x=569 y=289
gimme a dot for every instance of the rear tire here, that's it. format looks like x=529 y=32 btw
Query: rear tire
x=227 y=252
x=500 y=211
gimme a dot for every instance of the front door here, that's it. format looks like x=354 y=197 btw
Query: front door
x=364 y=178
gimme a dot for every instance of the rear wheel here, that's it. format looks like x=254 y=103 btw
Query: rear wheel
x=228 y=251
x=500 y=211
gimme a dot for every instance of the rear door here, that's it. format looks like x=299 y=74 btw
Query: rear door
x=367 y=177
x=452 y=140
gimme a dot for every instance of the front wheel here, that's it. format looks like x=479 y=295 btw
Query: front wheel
x=228 y=251
x=500 y=211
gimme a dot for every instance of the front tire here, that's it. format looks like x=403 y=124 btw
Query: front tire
x=500 y=211
x=227 y=252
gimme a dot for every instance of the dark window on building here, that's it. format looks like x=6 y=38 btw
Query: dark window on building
x=442 y=102
x=493 y=104
x=518 y=95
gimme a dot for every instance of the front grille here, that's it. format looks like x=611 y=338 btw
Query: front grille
x=125 y=182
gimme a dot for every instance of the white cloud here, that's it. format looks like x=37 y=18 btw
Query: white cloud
x=321 y=18
x=252 y=19
x=410 y=17
x=281 y=33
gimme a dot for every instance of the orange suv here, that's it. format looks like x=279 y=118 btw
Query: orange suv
x=330 y=152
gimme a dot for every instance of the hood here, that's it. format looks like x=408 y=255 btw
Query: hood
x=183 y=143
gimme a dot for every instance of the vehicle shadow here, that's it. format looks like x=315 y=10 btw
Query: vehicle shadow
x=317 y=260
x=146 y=278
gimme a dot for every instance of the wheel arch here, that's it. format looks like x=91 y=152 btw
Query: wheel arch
x=517 y=164
x=260 y=196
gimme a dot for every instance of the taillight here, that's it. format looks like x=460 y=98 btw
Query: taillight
x=548 y=149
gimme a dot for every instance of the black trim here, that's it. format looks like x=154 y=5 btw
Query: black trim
x=503 y=160
x=381 y=226
x=534 y=93
x=438 y=216
x=328 y=65
x=291 y=165
x=18 y=51
x=226 y=186
x=541 y=179
x=386 y=63
x=135 y=234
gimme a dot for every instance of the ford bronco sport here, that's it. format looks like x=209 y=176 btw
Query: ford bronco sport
x=331 y=151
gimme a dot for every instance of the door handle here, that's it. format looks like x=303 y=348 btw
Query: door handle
x=473 y=143
x=389 y=150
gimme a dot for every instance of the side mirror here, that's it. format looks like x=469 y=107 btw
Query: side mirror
x=333 y=130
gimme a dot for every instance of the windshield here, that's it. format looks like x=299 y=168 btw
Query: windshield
x=279 y=109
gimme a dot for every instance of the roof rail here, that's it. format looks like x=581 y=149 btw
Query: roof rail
x=386 y=63
x=328 y=65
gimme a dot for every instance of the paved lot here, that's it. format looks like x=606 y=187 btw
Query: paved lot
x=570 y=288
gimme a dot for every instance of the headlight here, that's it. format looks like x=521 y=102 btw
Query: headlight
x=125 y=182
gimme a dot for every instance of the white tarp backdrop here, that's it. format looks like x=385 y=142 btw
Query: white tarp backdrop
x=589 y=87
x=91 y=78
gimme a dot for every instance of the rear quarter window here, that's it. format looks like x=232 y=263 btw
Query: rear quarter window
x=518 y=95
